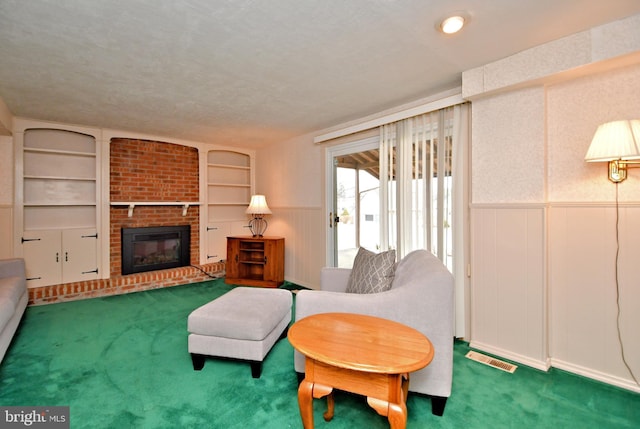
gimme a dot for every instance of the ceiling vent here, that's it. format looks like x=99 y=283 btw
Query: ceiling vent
x=487 y=360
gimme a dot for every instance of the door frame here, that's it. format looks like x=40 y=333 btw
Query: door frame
x=331 y=153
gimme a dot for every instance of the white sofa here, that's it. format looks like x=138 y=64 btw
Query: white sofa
x=13 y=300
x=421 y=296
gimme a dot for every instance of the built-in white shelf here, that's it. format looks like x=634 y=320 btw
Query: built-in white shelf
x=59 y=152
x=84 y=179
x=132 y=204
x=58 y=204
x=232 y=167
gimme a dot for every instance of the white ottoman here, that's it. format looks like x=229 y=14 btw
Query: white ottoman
x=243 y=324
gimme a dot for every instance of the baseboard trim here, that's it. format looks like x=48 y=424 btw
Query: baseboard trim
x=596 y=375
x=544 y=365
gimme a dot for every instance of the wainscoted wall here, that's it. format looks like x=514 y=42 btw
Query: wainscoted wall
x=6 y=196
x=304 y=242
x=6 y=231
x=583 y=297
x=543 y=277
x=508 y=292
x=291 y=175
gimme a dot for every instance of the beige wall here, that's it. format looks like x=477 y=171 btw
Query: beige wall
x=6 y=197
x=291 y=175
x=6 y=170
x=574 y=110
x=543 y=245
x=508 y=147
x=582 y=225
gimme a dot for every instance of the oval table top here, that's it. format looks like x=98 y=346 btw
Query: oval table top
x=362 y=343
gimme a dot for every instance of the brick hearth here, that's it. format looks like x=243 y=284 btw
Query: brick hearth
x=144 y=171
x=123 y=284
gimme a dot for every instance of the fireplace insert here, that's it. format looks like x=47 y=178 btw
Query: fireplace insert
x=155 y=248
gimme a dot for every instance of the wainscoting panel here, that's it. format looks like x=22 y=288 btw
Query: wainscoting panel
x=583 y=296
x=508 y=293
x=6 y=231
x=304 y=244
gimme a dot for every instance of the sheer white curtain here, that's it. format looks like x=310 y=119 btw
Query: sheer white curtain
x=420 y=181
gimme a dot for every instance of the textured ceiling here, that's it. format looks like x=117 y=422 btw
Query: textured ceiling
x=251 y=72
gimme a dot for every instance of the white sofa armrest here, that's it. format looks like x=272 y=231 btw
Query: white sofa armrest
x=334 y=279
x=12 y=268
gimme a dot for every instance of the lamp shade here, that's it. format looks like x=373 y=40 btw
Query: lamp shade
x=258 y=205
x=615 y=140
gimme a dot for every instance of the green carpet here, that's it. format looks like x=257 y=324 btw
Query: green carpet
x=122 y=362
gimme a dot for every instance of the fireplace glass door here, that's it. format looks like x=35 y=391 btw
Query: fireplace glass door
x=154 y=248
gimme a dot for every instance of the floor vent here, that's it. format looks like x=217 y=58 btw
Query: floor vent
x=487 y=360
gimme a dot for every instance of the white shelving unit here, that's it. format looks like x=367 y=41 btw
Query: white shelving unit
x=59 y=181
x=59 y=192
x=229 y=188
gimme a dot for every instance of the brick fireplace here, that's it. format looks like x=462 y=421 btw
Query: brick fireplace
x=144 y=171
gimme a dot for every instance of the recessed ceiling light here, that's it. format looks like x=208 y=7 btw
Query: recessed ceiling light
x=453 y=24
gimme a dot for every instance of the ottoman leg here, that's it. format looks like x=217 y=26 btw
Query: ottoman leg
x=198 y=361
x=256 y=369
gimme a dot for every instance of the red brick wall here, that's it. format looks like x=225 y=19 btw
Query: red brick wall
x=143 y=170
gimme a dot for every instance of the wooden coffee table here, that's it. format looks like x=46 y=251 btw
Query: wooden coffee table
x=361 y=354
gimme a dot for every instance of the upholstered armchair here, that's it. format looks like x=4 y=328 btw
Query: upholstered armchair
x=421 y=296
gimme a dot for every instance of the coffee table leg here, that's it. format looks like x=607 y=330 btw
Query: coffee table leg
x=397 y=416
x=305 y=403
x=395 y=413
x=330 y=408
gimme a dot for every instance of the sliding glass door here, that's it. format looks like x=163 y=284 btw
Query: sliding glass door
x=354 y=217
x=404 y=189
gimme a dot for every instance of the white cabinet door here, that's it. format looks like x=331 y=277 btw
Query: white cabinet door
x=79 y=255
x=57 y=256
x=42 y=257
x=217 y=233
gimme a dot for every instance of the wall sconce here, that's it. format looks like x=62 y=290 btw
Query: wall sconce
x=258 y=208
x=618 y=143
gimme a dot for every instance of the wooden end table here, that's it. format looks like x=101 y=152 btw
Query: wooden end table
x=361 y=354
